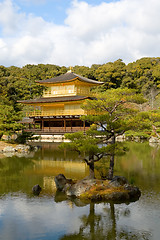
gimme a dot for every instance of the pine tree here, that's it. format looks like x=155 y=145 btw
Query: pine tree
x=112 y=113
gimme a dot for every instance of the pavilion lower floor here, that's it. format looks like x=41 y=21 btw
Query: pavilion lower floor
x=53 y=125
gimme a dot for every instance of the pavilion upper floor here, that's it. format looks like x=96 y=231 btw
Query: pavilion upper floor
x=72 y=89
x=68 y=84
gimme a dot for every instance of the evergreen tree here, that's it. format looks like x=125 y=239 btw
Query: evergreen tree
x=9 y=120
x=113 y=113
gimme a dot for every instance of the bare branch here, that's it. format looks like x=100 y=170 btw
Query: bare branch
x=116 y=105
x=99 y=156
x=155 y=131
x=115 y=119
x=120 y=133
x=86 y=161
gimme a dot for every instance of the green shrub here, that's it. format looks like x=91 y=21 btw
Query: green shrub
x=131 y=135
x=24 y=137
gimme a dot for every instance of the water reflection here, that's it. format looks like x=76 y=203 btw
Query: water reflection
x=141 y=166
x=12 y=178
x=38 y=218
x=103 y=222
x=103 y=226
x=52 y=216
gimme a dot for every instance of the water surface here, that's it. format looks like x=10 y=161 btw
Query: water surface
x=52 y=216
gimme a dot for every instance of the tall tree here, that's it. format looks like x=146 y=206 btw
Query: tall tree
x=9 y=120
x=112 y=114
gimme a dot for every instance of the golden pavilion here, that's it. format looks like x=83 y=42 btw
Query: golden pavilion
x=59 y=109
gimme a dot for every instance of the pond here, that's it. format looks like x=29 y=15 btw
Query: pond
x=52 y=216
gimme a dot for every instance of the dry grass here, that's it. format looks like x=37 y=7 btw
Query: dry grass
x=102 y=190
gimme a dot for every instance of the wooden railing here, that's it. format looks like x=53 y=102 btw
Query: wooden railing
x=41 y=113
x=53 y=130
x=67 y=93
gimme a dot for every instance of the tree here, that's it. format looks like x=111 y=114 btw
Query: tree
x=87 y=146
x=84 y=71
x=112 y=113
x=111 y=74
x=144 y=76
x=9 y=120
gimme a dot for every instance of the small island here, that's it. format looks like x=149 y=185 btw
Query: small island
x=118 y=189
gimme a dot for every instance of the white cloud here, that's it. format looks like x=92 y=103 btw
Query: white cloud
x=9 y=17
x=91 y=34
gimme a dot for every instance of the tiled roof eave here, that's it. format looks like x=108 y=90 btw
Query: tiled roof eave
x=54 y=100
x=68 y=77
x=51 y=82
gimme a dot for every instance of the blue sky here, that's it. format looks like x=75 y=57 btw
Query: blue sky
x=76 y=32
x=50 y=10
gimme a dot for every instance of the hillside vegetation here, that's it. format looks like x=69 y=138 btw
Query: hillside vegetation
x=19 y=84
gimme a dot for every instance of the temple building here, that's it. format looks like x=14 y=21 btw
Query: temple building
x=59 y=109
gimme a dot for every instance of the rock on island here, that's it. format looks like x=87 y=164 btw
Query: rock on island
x=117 y=189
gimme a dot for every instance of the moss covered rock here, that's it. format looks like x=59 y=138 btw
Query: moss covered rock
x=117 y=189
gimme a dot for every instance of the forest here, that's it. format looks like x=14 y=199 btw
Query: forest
x=18 y=83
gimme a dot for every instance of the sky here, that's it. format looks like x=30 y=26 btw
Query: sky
x=78 y=32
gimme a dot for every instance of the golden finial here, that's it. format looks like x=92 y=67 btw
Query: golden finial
x=70 y=69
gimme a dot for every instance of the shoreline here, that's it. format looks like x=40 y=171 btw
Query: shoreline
x=14 y=149
x=4 y=144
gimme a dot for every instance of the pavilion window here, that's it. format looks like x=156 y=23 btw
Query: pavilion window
x=46 y=124
x=56 y=124
x=77 y=123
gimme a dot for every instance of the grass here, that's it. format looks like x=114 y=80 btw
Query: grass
x=101 y=190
